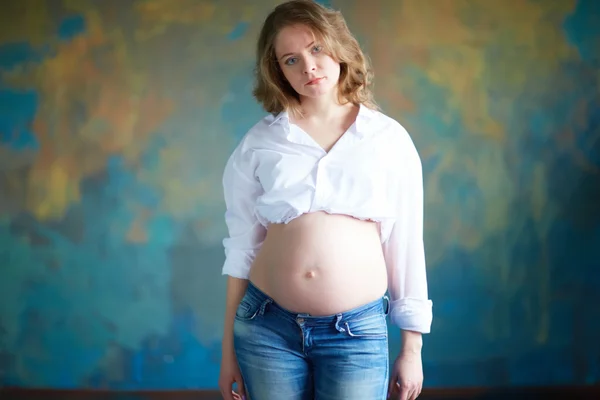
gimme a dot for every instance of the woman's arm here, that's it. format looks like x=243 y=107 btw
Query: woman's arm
x=230 y=371
x=412 y=342
x=244 y=239
x=245 y=233
x=410 y=307
x=404 y=250
x=236 y=287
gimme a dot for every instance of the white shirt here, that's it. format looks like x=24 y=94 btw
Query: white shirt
x=278 y=172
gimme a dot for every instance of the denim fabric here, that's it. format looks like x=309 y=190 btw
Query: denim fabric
x=289 y=356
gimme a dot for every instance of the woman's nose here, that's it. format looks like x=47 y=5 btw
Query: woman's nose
x=309 y=66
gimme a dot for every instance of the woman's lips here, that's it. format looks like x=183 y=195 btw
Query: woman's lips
x=315 y=81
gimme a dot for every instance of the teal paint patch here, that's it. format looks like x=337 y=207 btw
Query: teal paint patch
x=71 y=26
x=582 y=28
x=241 y=111
x=325 y=3
x=17 y=112
x=18 y=107
x=432 y=98
x=17 y=53
x=105 y=291
x=239 y=31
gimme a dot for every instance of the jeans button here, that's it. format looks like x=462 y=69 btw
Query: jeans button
x=300 y=320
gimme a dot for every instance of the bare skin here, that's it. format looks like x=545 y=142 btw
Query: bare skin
x=321 y=264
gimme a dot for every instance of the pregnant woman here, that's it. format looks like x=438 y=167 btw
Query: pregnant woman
x=324 y=201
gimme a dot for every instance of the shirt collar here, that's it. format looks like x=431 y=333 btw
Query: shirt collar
x=362 y=119
x=283 y=115
x=365 y=114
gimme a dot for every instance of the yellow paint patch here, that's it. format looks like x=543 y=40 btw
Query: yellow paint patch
x=25 y=20
x=137 y=231
x=52 y=191
x=182 y=190
x=95 y=104
x=158 y=15
x=508 y=41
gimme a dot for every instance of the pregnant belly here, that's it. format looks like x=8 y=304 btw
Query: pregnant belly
x=321 y=264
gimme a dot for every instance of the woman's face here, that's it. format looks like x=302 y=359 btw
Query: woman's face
x=304 y=63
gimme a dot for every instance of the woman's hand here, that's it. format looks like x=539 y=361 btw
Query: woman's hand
x=406 y=380
x=230 y=373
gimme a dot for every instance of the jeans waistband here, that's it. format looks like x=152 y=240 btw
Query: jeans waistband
x=258 y=296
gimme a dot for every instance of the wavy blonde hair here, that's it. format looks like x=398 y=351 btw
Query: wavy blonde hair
x=271 y=88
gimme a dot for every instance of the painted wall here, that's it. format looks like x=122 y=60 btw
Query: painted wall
x=116 y=119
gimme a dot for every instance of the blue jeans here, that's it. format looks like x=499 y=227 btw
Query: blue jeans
x=289 y=356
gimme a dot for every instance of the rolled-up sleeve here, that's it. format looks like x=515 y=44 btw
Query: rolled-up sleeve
x=410 y=306
x=245 y=233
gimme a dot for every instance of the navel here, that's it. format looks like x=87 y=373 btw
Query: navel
x=311 y=274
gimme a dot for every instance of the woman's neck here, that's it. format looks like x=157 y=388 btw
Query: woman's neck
x=323 y=108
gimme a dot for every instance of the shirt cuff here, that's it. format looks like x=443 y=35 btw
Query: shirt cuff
x=412 y=314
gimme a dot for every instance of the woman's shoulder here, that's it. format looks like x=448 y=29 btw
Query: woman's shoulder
x=391 y=126
x=264 y=127
x=255 y=134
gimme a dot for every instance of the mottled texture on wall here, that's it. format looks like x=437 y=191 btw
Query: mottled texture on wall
x=116 y=119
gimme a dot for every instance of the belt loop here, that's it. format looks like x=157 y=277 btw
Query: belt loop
x=337 y=323
x=387 y=305
x=263 y=306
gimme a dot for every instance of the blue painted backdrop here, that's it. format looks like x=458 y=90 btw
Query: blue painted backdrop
x=116 y=119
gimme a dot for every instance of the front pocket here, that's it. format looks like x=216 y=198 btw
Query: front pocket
x=370 y=326
x=246 y=311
